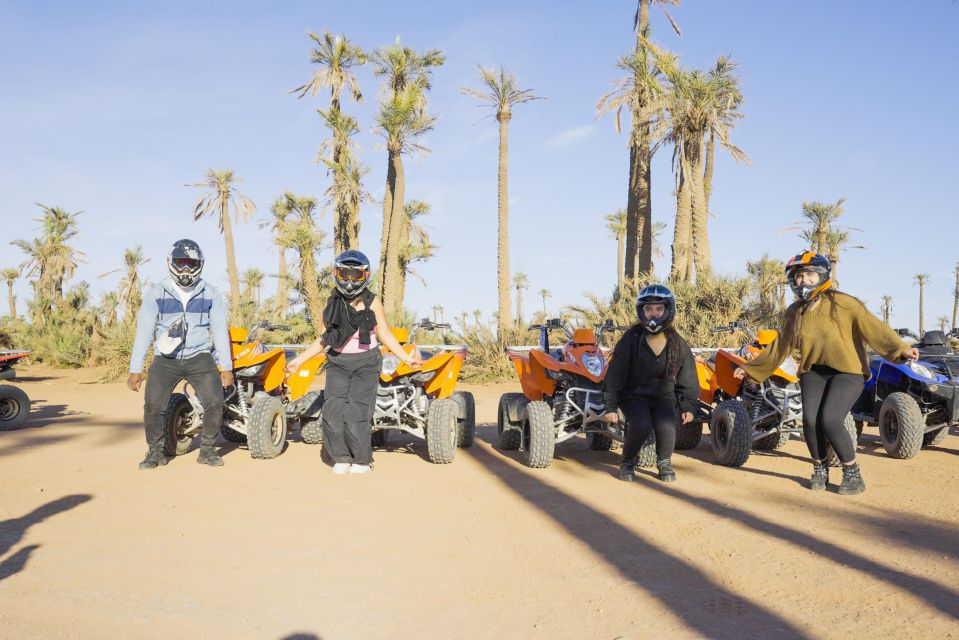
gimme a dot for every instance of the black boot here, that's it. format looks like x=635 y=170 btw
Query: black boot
x=154 y=458
x=209 y=456
x=627 y=470
x=666 y=473
x=820 y=477
x=852 y=482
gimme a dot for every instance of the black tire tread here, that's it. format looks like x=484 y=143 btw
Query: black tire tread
x=538 y=454
x=911 y=424
x=739 y=440
x=10 y=393
x=440 y=441
x=259 y=427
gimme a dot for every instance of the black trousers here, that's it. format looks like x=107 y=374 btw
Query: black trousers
x=351 y=380
x=164 y=374
x=827 y=396
x=650 y=414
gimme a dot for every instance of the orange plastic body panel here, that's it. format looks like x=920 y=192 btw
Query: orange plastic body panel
x=401 y=334
x=531 y=366
x=708 y=384
x=299 y=382
x=726 y=363
x=584 y=336
x=445 y=366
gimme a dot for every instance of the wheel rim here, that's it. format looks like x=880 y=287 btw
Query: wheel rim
x=181 y=422
x=722 y=433
x=9 y=408
x=276 y=429
x=891 y=427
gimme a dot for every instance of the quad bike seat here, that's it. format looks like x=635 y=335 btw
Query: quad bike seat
x=934 y=343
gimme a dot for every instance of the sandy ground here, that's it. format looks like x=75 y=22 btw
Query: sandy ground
x=90 y=547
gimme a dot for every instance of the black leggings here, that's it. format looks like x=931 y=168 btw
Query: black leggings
x=827 y=396
x=650 y=414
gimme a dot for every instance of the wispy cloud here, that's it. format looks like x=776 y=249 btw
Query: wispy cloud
x=569 y=136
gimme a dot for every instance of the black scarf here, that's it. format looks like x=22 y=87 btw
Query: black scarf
x=342 y=320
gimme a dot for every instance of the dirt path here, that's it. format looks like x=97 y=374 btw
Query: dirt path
x=483 y=548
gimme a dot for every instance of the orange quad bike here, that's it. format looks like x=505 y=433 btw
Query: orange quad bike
x=562 y=396
x=422 y=400
x=260 y=405
x=746 y=415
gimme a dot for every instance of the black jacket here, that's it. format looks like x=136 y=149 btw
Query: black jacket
x=635 y=370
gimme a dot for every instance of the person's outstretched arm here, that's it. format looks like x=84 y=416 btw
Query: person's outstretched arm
x=386 y=336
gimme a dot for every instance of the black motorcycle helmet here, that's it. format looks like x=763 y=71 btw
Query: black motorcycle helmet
x=656 y=294
x=185 y=262
x=351 y=272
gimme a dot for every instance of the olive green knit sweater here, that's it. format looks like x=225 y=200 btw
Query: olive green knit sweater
x=833 y=331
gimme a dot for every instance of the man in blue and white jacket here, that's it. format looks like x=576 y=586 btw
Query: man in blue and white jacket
x=185 y=319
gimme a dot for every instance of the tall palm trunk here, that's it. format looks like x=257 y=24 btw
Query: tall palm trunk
x=702 y=256
x=620 y=242
x=282 y=286
x=230 y=257
x=502 y=248
x=639 y=254
x=922 y=325
x=311 y=289
x=12 y=300
x=683 y=227
x=519 y=306
x=391 y=279
x=708 y=174
x=387 y=214
x=404 y=244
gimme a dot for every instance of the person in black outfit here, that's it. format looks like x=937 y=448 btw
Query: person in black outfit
x=651 y=378
x=354 y=318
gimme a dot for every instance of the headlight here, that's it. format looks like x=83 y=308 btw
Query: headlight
x=921 y=370
x=593 y=364
x=390 y=364
x=251 y=372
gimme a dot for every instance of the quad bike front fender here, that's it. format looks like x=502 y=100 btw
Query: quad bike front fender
x=299 y=382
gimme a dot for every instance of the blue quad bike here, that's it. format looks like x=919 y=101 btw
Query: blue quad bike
x=913 y=404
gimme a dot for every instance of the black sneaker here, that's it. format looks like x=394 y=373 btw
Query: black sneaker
x=209 y=456
x=666 y=473
x=852 y=482
x=627 y=471
x=154 y=458
x=820 y=477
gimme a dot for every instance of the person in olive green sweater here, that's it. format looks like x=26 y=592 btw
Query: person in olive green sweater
x=829 y=329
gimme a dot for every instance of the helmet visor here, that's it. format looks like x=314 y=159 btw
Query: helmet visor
x=186 y=265
x=351 y=274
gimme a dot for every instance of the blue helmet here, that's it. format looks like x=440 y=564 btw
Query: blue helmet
x=656 y=294
x=351 y=272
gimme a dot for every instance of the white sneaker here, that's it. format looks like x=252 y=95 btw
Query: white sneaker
x=360 y=468
x=341 y=467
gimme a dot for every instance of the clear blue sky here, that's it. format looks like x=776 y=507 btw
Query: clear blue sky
x=112 y=107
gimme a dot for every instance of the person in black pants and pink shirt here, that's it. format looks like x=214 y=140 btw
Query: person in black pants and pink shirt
x=652 y=380
x=354 y=319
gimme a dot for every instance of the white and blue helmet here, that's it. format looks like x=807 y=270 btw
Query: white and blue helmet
x=656 y=294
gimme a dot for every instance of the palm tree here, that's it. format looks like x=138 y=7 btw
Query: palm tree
x=696 y=104
x=637 y=93
x=616 y=224
x=416 y=244
x=10 y=275
x=336 y=57
x=921 y=279
x=545 y=293
x=769 y=278
x=837 y=241
x=305 y=238
x=129 y=290
x=222 y=197
x=109 y=303
x=478 y=316
x=820 y=217
x=943 y=323
x=281 y=209
x=657 y=251
x=49 y=257
x=253 y=279
x=886 y=308
x=501 y=93
x=520 y=281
